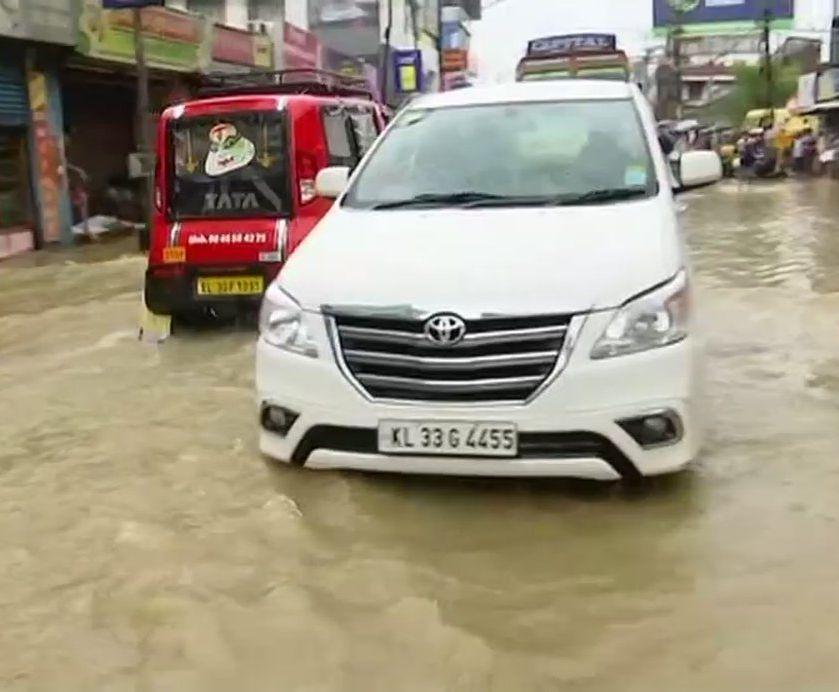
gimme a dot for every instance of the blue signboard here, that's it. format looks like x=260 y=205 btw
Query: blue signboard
x=706 y=11
x=130 y=4
x=407 y=70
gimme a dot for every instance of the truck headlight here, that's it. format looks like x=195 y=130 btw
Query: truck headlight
x=655 y=319
x=282 y=323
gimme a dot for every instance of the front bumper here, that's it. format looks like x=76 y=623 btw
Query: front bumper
x=571 y=429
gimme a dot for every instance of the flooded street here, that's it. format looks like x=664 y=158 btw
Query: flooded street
x=146 y=545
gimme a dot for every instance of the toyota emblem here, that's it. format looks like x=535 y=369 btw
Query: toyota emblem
x=445 y=330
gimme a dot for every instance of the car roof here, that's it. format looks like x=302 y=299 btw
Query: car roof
x=520 y=92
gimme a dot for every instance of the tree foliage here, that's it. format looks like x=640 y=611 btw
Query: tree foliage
x=750 y=89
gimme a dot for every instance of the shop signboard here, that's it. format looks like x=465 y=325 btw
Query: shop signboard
x=350 y=27
x=455 y=60
x=239 y=47
x=407 y=71
x=725 y=45
x=173 y=40
x=688 y=12
x=454 y=36
x=49 y=21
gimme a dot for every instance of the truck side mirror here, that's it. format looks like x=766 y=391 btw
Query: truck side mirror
x=667 y=143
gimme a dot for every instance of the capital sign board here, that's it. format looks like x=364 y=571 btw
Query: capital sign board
x=571 y=43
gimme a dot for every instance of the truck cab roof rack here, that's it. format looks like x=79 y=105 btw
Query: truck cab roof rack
x=298 y=81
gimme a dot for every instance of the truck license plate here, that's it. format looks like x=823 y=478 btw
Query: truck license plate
x=448 y=438
x=230 y=285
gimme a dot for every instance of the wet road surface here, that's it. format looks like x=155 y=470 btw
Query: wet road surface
x=145 y=545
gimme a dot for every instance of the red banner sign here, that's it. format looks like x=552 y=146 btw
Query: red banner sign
x=233 y=45
x=301 y=48
x=50 y=172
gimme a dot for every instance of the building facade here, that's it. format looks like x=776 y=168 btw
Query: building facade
x=34 y=204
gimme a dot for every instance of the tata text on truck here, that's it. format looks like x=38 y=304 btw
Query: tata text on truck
x=235 y=183
x=582 y=56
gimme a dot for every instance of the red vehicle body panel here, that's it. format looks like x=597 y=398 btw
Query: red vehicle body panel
x=222 y=244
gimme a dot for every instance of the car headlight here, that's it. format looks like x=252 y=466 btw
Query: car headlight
x=282 y=323
x=655 y=319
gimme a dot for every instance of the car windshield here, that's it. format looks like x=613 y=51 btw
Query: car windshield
x=556 y=152
x=230 y=166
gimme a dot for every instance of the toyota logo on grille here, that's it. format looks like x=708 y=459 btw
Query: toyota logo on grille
x=445 y=330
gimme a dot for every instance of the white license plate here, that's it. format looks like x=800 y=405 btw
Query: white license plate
x=448 y=438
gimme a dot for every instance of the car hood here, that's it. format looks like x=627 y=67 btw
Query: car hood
x=486 y=261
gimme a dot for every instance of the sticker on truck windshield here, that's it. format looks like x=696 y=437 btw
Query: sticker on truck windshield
x=635 y=176
x=229 y=150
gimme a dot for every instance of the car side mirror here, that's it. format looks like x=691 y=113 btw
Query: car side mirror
x=698 y=169
x=331 y=182
x=667 y=143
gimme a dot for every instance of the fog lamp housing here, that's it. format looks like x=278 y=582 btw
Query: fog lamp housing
x=654 y=429
x=277 y=419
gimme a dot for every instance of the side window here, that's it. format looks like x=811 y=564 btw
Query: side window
x=364 y=128
x=338 y=142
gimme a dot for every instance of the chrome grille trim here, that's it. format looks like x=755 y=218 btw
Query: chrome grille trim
x=449 y=386
x=443 y=364
x=502 y=360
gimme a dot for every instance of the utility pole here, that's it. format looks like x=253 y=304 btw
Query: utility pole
x=142 y=124
x=386 y=60
x=675 y=48
x=767 y=60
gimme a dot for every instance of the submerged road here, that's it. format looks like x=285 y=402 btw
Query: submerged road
x=146 y=545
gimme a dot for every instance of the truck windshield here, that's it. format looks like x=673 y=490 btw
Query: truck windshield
x=229 y=166
x=517 y=153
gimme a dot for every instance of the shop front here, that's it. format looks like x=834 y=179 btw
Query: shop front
x=100 y=92
x=34 y=204
x=16 y=209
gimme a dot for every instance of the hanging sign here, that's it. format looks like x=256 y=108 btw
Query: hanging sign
x=407 y=70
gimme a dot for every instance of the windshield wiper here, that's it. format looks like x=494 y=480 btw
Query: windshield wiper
x=477 y=200
x=612 y=194
x=454 y=199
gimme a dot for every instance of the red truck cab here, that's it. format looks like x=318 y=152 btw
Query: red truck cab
x=235 y=183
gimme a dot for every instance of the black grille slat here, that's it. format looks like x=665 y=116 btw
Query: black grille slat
x=500 y=359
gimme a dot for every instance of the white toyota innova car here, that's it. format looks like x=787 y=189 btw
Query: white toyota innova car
x=501 y=289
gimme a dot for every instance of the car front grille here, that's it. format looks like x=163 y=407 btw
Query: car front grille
x=499 y=359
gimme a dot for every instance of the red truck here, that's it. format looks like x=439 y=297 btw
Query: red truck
x=235 y=183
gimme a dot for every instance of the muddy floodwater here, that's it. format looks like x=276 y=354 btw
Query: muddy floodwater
x=145 y=545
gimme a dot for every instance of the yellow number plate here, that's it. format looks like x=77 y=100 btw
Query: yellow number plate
x=230 y=285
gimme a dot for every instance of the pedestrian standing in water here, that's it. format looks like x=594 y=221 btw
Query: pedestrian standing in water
x=798 y=154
